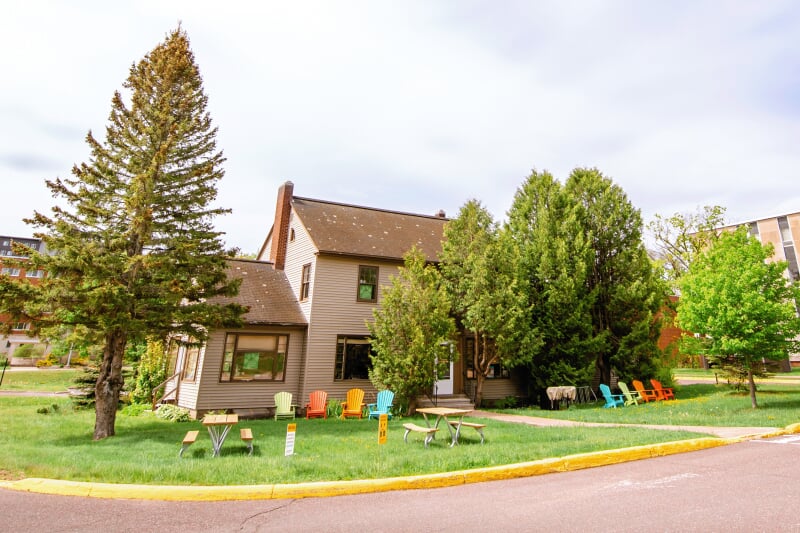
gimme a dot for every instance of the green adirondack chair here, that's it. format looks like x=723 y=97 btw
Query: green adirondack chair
x=283 y=406
x=382 y=405
x=630 y=398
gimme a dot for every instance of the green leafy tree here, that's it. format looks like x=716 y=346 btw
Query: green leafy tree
x=134 y=253
x=411 y=331
x=683 y=236
x=487 y=297
x=741 y=304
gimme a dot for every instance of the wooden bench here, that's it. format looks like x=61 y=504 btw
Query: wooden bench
x=188 y=440
x=475 y=426
x=247 y=435
x=429 y=432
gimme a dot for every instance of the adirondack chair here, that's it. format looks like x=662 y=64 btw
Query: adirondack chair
x=630 y=398
x=283 y=406
x=382 y=405
x=317 y=405
x=353 y=406
x=645 y=394
x=664 y=393
x=612 y=400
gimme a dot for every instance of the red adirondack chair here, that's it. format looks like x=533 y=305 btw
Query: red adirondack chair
x=664 y=393
x=646 y=394
x=317 y=405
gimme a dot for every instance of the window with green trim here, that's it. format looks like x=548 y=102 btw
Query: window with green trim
x=254 y=357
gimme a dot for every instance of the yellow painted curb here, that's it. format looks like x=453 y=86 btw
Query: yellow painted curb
x=340 y=488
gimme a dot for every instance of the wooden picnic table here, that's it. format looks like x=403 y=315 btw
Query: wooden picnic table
x=218 y=428
x=443 y=413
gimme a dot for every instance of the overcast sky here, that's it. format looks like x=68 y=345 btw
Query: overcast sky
x=422 y=105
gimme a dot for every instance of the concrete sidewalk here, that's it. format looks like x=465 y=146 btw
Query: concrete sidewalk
x=723 y=432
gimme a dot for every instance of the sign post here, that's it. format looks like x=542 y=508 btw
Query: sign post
x=383 y=424
x=290 y=431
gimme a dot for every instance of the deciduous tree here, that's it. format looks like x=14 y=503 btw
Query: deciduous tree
x=740 y=303
x=133 y=251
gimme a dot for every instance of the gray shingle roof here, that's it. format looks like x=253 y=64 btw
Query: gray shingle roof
x=266 y=292
x=367 y=232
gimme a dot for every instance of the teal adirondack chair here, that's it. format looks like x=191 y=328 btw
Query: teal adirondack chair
x=383 y=404
x=630 y=398
x=612 y=400
x=283 y=406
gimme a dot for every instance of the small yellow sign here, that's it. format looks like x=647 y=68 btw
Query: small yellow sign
x=383 y=424
x=290 y=432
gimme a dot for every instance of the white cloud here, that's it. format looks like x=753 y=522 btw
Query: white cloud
x=422 y=105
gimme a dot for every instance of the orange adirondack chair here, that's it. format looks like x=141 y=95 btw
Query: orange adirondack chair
x=317 y=405
x=664 y=393
x=646 y=394
x=353 y=406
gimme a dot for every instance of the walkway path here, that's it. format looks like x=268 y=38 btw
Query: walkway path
x=724 y=432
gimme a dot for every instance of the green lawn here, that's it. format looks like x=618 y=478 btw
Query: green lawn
x=145 y=450
x=50 y=380
x=696 y=405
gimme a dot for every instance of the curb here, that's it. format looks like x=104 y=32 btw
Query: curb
x=340 y=488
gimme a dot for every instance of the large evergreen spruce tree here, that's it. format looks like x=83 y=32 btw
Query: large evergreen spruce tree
x=134 y=253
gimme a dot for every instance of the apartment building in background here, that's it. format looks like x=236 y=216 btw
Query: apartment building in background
x=19 y=333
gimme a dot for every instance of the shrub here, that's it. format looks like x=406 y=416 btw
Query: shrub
x=135 y=409
x=173 y=413
x=53 y=408
x=151 y=372
x=51 y=360
x=29 y=350
x=334 y=408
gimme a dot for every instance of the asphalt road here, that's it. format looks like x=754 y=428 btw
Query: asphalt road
x=750 y=486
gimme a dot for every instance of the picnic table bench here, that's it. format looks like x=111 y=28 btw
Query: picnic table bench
x=247 y=435
x=188 y=440
x=474 y=425
x=429 y=432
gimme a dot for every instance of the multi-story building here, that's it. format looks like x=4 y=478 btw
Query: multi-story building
x=19 y=332
x=783 y=232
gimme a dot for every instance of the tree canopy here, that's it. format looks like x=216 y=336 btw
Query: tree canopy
x=593 y=292
x=740 y=303
x=478 y=267
x=681 y=237
x=132 y=250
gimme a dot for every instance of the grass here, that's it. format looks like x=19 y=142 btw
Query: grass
x=50 y=380
x=696 y=405
x=145 y=449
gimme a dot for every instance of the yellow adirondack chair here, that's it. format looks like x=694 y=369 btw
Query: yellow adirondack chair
x=317 y=405
x=283 y=406
x=353 y=406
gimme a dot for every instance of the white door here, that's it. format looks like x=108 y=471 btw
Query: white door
x=444 y=382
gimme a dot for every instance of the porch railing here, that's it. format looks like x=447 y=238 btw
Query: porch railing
x=163 y=385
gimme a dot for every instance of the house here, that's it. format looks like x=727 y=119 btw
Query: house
x=319 y=275
x=19 y=332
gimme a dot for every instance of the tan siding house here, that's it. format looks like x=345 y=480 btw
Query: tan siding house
x=319 y=275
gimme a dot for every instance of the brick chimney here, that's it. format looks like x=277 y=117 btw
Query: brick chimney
x=280 y=228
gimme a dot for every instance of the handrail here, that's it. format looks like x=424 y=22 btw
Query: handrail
x=163 y=384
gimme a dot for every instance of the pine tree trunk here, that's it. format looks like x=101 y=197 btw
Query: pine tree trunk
x=109 y=384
